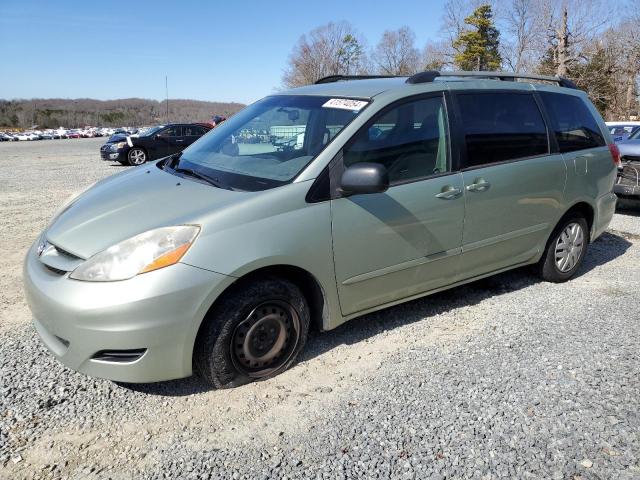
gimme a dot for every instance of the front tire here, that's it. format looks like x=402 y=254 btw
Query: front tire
x=136 y=156
x=565 y=250
x=256 y=331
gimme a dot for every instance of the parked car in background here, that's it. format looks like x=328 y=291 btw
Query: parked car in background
x=23 y=136
x=622 y=130
x=73 y=134
x=153 y=143
x=219 y=259
x=6 y=137
x=628 y=182
x=46 y=135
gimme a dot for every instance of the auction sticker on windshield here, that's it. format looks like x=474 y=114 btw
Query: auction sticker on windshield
x=345 y=104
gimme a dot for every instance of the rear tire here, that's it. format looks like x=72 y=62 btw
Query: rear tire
x=256 y=331
x=565 y=250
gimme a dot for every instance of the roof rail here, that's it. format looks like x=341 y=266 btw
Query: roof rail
x=338 y=78
x=431 y=75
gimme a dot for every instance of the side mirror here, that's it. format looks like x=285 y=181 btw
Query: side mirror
x=365 y=178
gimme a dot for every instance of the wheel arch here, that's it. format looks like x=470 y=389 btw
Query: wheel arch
x=586 y=210
x=309 y=285
x=141 y=147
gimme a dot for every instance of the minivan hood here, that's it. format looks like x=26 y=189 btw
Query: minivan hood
x=130 y=203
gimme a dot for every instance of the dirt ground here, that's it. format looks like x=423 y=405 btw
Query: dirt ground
x=60 y=424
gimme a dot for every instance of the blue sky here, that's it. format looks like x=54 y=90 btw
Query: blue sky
x=227 y=51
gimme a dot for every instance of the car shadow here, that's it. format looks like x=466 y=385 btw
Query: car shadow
x=607 y=248
x=628 y=207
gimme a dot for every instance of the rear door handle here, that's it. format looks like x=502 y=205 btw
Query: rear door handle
x=449 y=193
x=179 y=140
x=478 y=185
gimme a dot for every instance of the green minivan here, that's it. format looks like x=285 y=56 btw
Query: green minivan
x=313 y=206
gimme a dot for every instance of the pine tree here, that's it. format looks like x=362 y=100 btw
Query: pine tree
x=595 y=77
x=478 y=47
x=349 y=54
x=548 y=64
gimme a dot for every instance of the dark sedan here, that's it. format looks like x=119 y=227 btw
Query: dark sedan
x=156 y=142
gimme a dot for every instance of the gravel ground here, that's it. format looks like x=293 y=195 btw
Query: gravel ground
x=507 y=377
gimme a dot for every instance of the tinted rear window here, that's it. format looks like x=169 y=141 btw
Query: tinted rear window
x=573 y=124
x=501 y=126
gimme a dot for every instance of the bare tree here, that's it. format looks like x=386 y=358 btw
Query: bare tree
x=435 y=56
x=331 y=49
x=628 y=50
x=523 y=34
x=571 y=26
x=396 y=53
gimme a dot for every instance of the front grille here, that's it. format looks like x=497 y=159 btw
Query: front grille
x=66 y=254
x=57 y=271
x=119 y=356
x=630 y=174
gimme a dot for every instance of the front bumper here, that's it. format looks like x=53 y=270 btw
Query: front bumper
x=625 y=191
x=111 y=156
x=628 y=181
x=158 y=312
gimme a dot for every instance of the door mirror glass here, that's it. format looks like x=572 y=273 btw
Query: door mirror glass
x=365 y=177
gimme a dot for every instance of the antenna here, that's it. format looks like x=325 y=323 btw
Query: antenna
x=166 y=91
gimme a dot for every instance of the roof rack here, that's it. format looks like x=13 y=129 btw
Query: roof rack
x=338 y=78
x=431 y=75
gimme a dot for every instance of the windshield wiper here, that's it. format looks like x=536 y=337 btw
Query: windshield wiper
x=193 y=173
x=173 y=160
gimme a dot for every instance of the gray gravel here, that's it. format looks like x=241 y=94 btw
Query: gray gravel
x=504 y=378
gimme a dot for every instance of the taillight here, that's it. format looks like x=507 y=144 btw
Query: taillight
x=615 y=155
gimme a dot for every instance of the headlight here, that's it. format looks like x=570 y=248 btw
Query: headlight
x=143 y=253
x=118 y=146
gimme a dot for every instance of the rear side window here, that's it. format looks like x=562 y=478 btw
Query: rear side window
x=193 y=131
x=171 y=132
x=573 y=124
x=501 y=126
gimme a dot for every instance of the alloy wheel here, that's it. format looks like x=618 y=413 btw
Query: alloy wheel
x=137 y=156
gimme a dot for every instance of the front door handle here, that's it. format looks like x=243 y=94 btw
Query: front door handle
x=179 y=140
x=478 y=185
x=449 y=193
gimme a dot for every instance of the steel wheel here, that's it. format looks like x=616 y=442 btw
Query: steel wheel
x=569 y=247
x=265 y=340
x=137 y=156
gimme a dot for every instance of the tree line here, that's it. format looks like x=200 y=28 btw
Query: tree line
x=577 y=39
x=69 y=113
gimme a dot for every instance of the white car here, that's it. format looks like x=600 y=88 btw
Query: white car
x=621 y=130
x=22 y=136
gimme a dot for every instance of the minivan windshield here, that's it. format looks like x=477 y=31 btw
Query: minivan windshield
x=268 y=143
